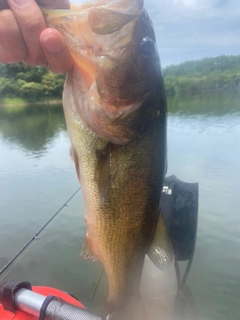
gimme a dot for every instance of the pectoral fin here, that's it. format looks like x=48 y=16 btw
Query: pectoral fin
x=161 y=251
x=86 y=251
x=73 y=155
x=102 y=172
x=70 y=153
x=105 y=21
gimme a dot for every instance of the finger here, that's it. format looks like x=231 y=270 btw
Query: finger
x=31 y=24
x=12 y=45
x=54 y=4
x=55 y=50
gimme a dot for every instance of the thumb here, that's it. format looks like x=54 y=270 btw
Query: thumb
x=55 y=50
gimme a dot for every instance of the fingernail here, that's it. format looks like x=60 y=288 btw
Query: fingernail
x=22 y=3
x=53 y=44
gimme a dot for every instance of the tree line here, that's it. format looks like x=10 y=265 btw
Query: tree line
x=29 y=83
x=209 y=74
x=206 y=75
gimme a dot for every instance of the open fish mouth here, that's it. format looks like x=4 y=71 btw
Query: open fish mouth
x=85 y=22
x=96 y=29
x=116 y=61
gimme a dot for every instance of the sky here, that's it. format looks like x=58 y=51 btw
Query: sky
x=194 y=29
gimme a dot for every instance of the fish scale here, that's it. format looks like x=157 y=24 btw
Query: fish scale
x=128 y=197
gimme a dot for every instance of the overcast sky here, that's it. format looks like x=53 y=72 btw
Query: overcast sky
x=194 y=29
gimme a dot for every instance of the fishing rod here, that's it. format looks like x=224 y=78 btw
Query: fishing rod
x=10 y=262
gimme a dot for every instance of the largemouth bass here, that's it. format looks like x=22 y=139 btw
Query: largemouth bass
x=115 y=110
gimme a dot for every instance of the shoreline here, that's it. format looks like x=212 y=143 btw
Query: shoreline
x=28 y=103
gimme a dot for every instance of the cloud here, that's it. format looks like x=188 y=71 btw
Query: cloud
x=193 y=29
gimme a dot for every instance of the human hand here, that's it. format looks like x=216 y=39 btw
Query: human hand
x=25 y=37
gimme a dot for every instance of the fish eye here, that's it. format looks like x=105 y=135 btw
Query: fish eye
x=147 y=47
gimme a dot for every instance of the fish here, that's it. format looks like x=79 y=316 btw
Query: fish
x=115 y=109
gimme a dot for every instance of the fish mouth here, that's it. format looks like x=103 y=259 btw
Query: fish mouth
x=110 y=78
x=85 y=23
x=83 y=27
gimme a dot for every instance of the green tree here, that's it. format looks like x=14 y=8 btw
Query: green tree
x=209 y=74
x=31 y=91
x=29 y=83
x=52 y=84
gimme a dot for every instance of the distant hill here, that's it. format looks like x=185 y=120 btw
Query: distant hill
x=209 y=74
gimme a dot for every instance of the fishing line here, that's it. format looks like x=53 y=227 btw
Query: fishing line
x=10 y=262
x=95 y=290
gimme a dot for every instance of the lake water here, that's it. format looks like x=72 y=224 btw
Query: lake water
x=37 y=177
